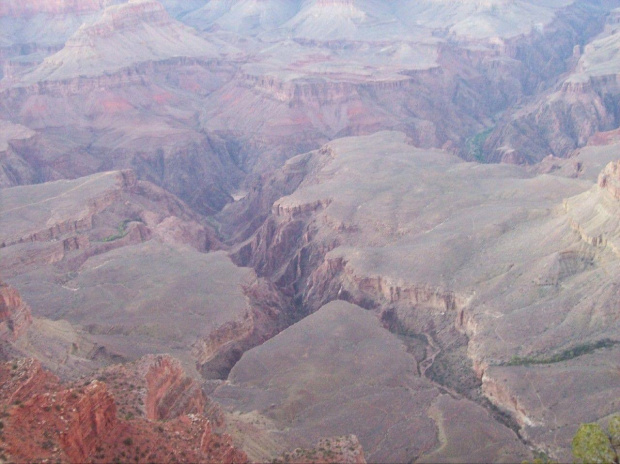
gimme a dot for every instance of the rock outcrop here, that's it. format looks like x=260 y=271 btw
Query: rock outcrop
x=595 y=214
x=81 y=422
x=92 y=417
x=609 y=179
x=269 y=312
x=433 y=257
x=169 y=393
x=568 y=114
x=15 y=314
x=74 y=220
x=66 y=424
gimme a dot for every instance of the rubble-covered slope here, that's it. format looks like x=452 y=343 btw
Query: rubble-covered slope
x=487 y=270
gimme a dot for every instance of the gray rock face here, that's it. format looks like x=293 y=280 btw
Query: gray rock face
x=491 y=273
x=294 y=198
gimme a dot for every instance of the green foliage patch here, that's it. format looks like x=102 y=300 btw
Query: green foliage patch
x=475 y=144
x=592 y=445
x=565 y=355
x=121 y=230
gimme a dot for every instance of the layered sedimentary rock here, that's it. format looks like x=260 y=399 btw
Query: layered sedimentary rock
x=63 y=239
x=190 y=130
x=100 y=83
x=338 y=370
x=438 y=257
x=610 y=178
x=62 y=423
x=96 y=48
x=473 y=285
x=88 y=421
x=69 y=221
x=567 y=115
x=15 y=315
x=594 y=214
x=169 y=393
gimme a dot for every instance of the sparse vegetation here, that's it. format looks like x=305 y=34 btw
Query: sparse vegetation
x=476 y=144
x=121 y=230
x=565 y=355
x=541 y=458
x=593 y=445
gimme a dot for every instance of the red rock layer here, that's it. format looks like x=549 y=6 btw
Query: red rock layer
x=15 y=315
x=169 y=393
x=45 y=420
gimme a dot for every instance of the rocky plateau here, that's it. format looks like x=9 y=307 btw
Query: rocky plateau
x=307 y=230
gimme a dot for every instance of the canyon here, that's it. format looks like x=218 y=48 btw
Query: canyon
x=307 y=231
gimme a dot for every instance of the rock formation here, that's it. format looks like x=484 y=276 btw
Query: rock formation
x=609 y=179
x=275 y=193
x=15 y=315
x=81 y=422
x=169 y=393
x=569 y=113
x=434 y=267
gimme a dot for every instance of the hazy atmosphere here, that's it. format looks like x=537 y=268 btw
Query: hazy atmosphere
x=295 y=231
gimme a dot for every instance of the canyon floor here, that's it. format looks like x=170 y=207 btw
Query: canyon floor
x=307 y=231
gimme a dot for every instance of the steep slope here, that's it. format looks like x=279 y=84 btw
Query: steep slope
x=465 y=290
x=479 y=20
x=564 y=118
x=14 y=169
x=15 y=314
x=89 y=421
x=72 y=247
x=358 y=69
x=326 y=20
x=482 y=270
x=222 y=113
x=127 y=34
x=33 y=29
x=338 y=371
x=124 y=92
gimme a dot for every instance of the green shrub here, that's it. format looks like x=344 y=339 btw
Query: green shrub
x=593 y=445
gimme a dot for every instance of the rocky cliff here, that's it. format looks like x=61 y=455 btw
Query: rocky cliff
x=609 y=179
x=567 y=114
x=66 y=424
x=80 y=422
x=169 y=393
x=75 y=220
x=432 y=257
x=15 y=315
x=594 y=214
